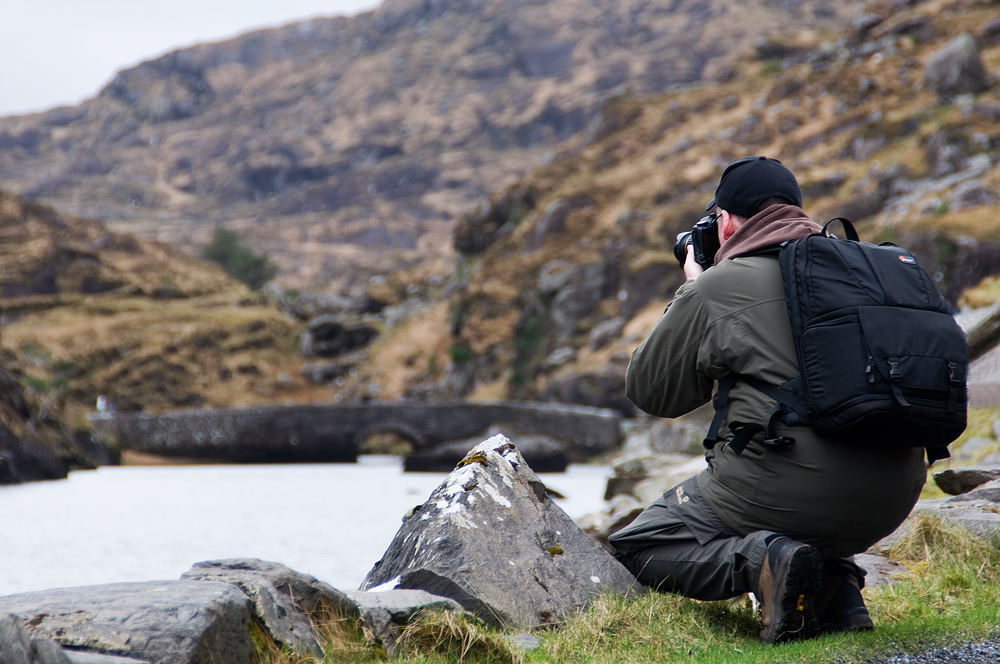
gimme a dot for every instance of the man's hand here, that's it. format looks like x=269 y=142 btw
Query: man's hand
x=691 y=267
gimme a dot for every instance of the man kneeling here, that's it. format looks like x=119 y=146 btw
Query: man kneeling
x=782 y=522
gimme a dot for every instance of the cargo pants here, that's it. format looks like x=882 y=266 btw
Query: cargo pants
x=679 y=544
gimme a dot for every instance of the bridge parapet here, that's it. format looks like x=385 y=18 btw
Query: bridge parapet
x=333 y=432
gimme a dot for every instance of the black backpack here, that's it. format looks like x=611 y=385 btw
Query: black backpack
x=882 y=360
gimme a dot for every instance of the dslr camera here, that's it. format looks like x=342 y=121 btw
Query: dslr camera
x=704 y=237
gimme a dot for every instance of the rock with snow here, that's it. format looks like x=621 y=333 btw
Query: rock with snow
x=384 y=615
x=283 y=598
x=956 y=68
x=491 y=539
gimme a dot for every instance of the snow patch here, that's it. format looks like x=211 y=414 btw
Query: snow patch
x=488 y=488
x=388 y=585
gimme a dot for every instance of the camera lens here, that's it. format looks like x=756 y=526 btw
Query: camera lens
x=681 y=246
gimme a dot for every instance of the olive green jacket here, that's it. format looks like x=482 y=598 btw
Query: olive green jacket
x=837 y=496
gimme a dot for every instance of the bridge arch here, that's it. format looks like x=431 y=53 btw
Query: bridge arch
x=401 y=428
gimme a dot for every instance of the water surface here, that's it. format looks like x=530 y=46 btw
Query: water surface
x=144 y=523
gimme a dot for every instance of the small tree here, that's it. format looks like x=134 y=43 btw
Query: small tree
x=238 y=260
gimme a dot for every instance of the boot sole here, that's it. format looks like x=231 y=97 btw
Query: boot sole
x=798 y=617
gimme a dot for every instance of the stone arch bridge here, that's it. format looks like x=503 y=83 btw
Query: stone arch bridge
x=333 y=432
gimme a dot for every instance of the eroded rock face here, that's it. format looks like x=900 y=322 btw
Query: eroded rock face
x=282 y=597
x=491 y=539
x=957 y=68
x=167 y=622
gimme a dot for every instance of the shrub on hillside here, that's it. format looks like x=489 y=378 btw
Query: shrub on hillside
x=238 y=260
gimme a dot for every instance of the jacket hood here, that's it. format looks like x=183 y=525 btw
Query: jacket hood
x=766 y=229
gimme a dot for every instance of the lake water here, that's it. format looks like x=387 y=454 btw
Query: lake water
x=144 y=523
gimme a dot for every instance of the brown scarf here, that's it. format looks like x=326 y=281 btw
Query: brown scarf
x=768 y=228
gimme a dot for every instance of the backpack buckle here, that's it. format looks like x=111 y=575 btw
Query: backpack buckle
x=779 y=441
x=895 y=374
x=955 y=372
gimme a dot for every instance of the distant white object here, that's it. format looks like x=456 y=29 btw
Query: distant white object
x=103 y=405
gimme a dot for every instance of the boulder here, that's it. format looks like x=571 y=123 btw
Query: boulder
x=542 y=453
x=978 y=511
x=491 y=539
x=974 y=448
x=25 y=460
x=18 y=647
x=881 y=570
x=552 y=222
x=329 y=335
x=166 y=622
x=384 y=615
x=960 y=480
x=283 y=598
x=956 y=69
x=601 y=388
x=577 y=291
x=605 y=333
x=622 y=510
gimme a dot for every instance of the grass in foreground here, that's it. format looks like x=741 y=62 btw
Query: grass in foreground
x=951 y=595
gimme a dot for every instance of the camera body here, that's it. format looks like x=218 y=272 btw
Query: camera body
x=704 y=237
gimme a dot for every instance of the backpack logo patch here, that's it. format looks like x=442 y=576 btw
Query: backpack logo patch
x=909 y=260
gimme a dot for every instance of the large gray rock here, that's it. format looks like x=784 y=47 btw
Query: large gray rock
x=163 y=622
x=960 y=480
x=386 y=614
x=283 y=598
x=956 y=68
x=978 y=511
x=18 y=647
x=491 y=539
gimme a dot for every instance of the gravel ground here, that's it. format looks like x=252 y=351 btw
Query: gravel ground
x=971 y=653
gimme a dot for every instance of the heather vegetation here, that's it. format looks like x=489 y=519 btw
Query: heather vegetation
x=238 y=260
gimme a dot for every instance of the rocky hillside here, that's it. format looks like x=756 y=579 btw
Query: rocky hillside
x=893 y=123
x=92 y=315
x=347 y=147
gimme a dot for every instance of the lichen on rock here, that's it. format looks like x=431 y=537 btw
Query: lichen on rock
x=490 y=538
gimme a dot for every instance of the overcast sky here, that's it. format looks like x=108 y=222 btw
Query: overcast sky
x=58 y=52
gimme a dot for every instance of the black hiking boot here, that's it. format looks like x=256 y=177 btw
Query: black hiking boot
x=839 y=604
x=790 y=577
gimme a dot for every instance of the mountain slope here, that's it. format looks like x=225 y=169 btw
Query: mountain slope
x=91 y=313
x=347 y=147
x=565 y=271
